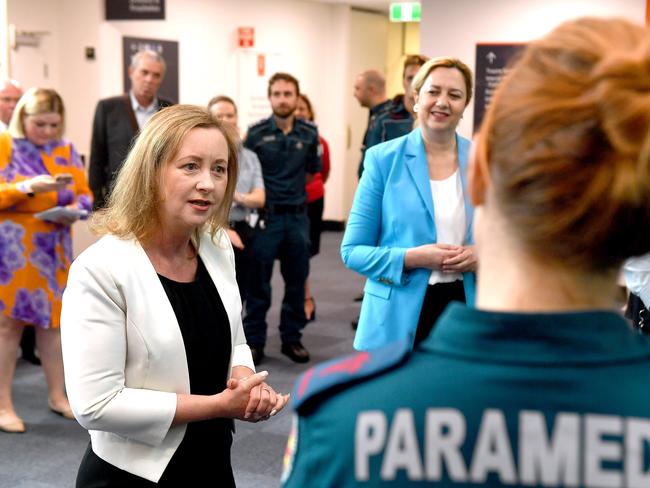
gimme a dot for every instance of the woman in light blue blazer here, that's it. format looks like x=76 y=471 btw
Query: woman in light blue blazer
x=410 y=227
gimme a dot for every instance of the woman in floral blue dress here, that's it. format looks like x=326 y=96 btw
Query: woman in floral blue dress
x=38 y=171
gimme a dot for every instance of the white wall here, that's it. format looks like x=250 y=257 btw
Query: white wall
x=453 y=28
x=312 y=41
x=4 y=48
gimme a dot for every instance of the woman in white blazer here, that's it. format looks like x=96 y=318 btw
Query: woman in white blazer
x=156 y=362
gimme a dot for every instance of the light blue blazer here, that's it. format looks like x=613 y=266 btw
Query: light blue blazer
x=393 y=211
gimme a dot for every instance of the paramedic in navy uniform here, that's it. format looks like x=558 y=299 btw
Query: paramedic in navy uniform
x=544 y=384
x=288 y=149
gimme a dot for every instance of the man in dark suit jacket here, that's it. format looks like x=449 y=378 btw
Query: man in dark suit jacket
x=119 y=119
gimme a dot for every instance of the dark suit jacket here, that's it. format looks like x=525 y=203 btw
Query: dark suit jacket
x=114 y=128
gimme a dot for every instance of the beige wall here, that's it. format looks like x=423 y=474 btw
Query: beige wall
x=403 y=39
x=324 y=45
x=373 y=30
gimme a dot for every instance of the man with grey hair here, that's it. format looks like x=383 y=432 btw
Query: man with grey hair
x=10 y=93
x=370 y=91
x=119 y=119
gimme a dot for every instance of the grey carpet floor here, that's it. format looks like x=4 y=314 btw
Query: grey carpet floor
x=48 y=455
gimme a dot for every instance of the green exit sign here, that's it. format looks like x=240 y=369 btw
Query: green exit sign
x=405 y=12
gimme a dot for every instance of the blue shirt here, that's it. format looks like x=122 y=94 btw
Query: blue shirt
x=143 y=114
x=489 y=399
x=249 y=177
x=285 y=158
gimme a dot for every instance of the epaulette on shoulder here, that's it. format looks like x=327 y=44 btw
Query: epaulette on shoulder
x=337 y=374
x=258 y=125
x=307 y=124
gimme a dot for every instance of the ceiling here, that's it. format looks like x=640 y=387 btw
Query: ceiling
x=376 y=5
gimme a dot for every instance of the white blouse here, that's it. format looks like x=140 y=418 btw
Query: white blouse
x=450 y=219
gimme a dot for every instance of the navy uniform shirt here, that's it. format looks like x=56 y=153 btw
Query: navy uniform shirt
x=488 y=399
x=285 y=158
x=392 y=123
x=373 y=114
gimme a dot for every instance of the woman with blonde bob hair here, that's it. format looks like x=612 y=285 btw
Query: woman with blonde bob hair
x=156 y=362
x=410 y=227
x=543 y=383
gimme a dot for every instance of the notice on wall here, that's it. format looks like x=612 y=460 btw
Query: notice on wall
x=253 y=72
x=135 y=9
x=167 y=49
x=492 y=64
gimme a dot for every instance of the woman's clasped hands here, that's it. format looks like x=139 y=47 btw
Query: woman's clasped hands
x=443 y=257
x=251 y=399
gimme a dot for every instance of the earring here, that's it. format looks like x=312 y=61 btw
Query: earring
x=416 y=107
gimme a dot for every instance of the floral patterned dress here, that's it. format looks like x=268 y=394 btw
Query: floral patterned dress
x=35 y=255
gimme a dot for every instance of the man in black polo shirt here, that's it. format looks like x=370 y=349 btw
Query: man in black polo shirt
x=370 y=92
x=288 y=149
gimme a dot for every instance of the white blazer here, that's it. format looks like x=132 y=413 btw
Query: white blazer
x=123 y=350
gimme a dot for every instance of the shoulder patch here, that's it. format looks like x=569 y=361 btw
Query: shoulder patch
x=344 y=371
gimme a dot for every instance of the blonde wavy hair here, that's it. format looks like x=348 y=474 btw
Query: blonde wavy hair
x=564 y=149
x=444 y=62
x=132 y=209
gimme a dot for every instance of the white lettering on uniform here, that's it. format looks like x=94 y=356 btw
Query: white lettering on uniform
x=445 y=434
x=598 y=450
x=493 y=451
x=545 y=463
x=402 y=451
x=370 y=435
x=579 y=450
x=637 y=435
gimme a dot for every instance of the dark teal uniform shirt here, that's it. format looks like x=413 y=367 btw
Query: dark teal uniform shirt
x=285 y=158
x=367 y=143
x=394 y=122
x=489 y=399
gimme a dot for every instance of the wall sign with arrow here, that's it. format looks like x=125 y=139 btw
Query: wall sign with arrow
x=492 y=63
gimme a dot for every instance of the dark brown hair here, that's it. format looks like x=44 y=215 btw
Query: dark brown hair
x=413 y=60
x=565 y=145
x=308 y=103
x=284 y=77
x=222 y=98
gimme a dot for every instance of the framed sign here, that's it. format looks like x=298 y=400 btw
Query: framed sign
x=167 y=49
x=492 y=64
x=135 y=9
